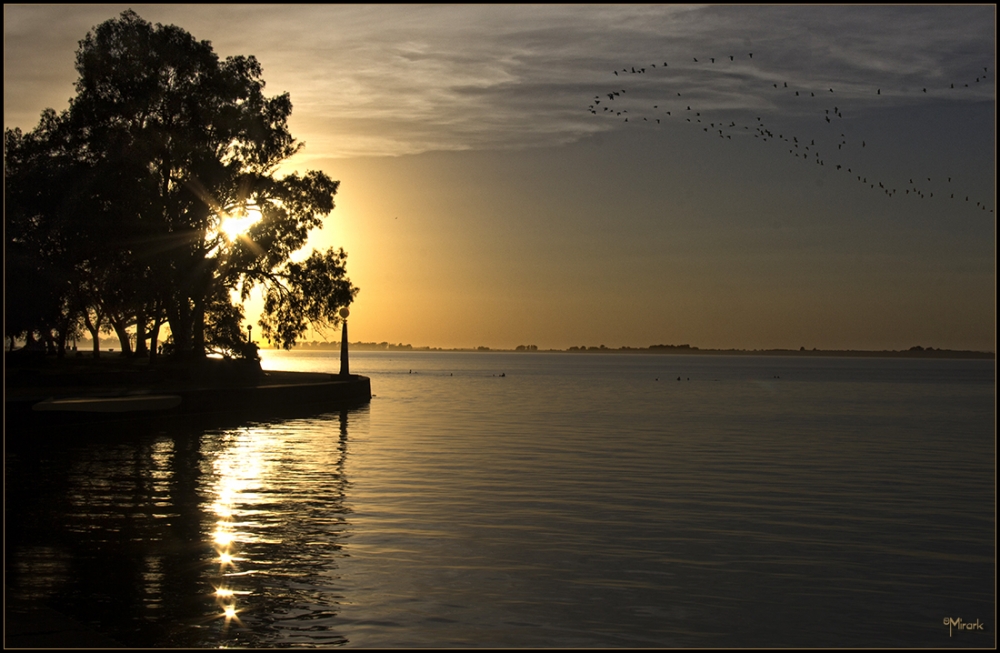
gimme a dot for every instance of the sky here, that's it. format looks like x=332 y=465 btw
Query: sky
x=494 y=194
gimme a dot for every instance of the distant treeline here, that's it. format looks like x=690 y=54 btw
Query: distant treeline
x=914 y=352
x=657 y=348
x=362 y=346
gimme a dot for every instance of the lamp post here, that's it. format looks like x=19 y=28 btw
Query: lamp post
x=345 y=368
x=249 y=333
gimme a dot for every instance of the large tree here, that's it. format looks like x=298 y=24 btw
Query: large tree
x=164 y=142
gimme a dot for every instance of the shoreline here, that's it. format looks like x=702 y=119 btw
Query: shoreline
x=686 y=351
x=127 y=393
x=83 y=356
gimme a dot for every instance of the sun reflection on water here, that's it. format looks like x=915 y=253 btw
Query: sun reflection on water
x=240 y=471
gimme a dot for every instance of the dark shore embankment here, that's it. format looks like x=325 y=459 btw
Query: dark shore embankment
x=212 y=393
x=114 y=390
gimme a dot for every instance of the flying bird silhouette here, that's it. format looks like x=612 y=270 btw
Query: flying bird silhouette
x=766 y=134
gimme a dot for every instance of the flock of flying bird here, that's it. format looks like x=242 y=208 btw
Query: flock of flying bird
x=611 y=103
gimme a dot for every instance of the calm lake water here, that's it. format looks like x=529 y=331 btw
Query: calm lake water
x=538 y=500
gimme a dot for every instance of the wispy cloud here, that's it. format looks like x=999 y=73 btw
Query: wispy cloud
x=400 y=79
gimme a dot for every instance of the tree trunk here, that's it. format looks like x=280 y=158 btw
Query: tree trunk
x=140 y=334
x=119 y=326
x=50 y=343
x=154 y=333
x=179 y=319
x=201 y=282
x=94 y=331
x=61 y=333
x=198 y=329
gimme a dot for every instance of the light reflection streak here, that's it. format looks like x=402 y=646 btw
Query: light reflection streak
x=222 y=538
x=245 y=499
x=203 y=536
x=240 y=470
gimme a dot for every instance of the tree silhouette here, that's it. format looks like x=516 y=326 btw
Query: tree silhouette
x=162 y=143
x=41 y=250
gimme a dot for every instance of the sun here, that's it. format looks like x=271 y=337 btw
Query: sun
x=236 y=225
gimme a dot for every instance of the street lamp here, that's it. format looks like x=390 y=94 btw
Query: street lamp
x=345 y=368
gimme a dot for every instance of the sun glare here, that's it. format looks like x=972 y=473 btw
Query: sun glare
x=235 y=226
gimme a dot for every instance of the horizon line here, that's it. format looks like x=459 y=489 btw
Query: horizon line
x=661 y=348
x=658 y=348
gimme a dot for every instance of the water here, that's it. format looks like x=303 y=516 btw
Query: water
x=538 y=500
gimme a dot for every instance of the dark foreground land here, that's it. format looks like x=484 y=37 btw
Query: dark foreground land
x=130 y=390
x=218 y=391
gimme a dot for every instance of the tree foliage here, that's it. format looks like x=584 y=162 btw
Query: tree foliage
x=310 y=292
x=119 y=200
